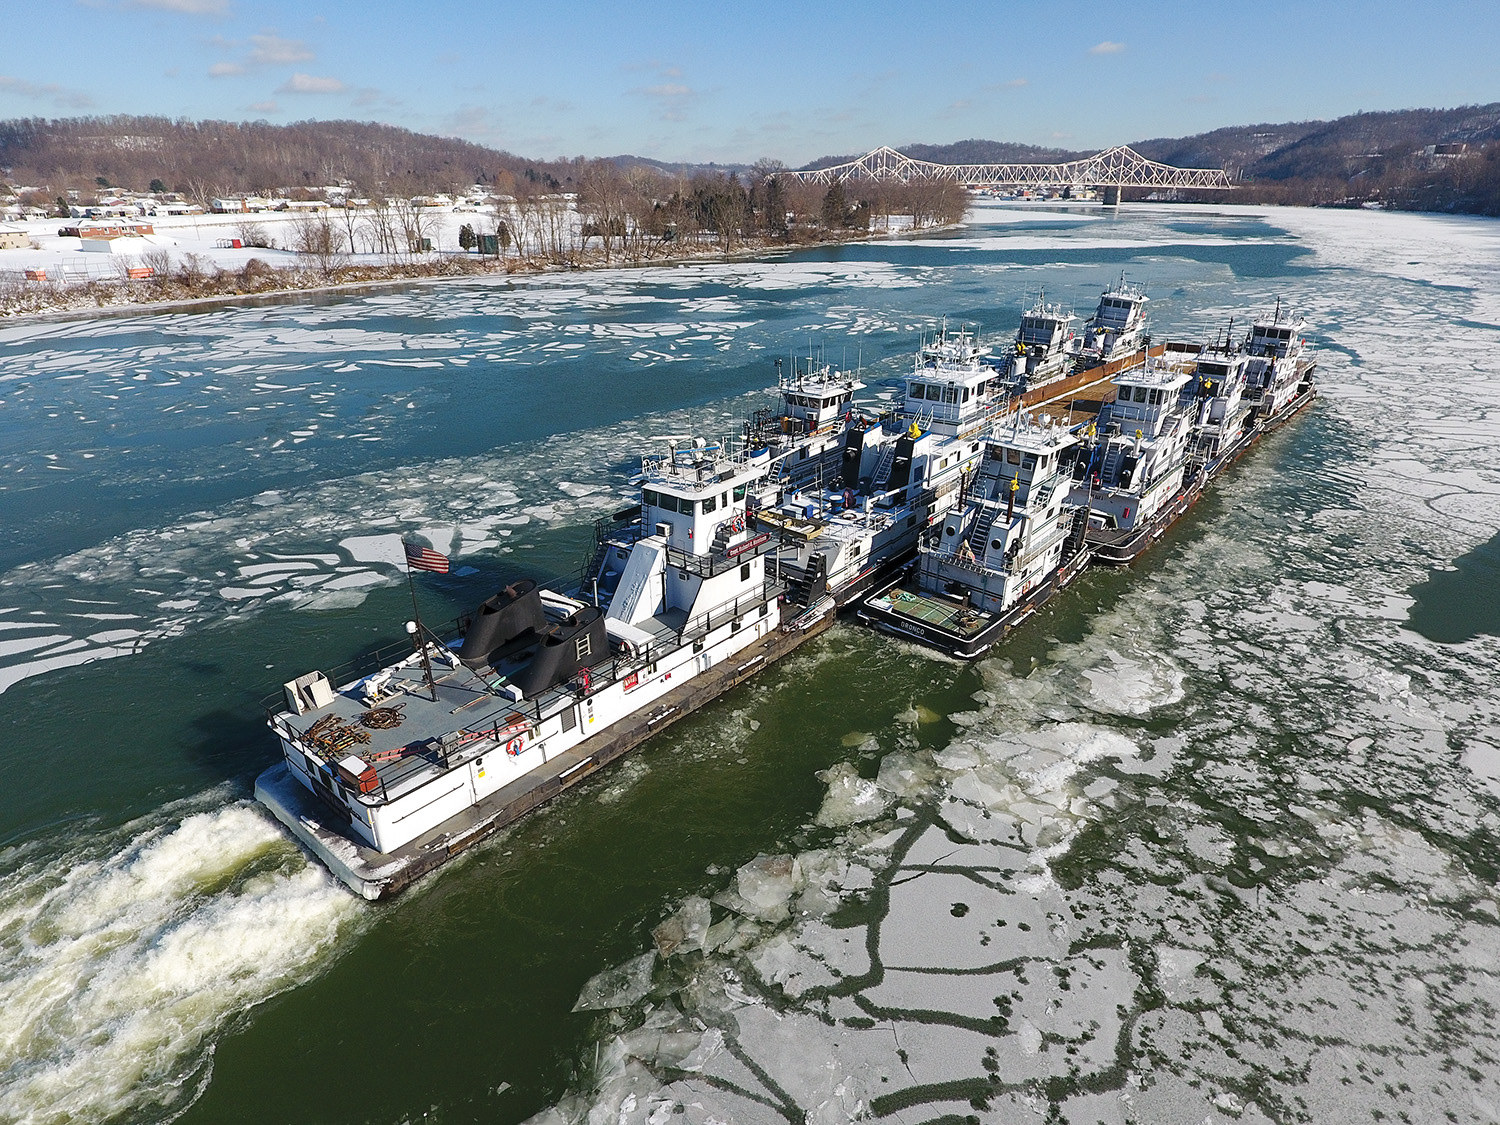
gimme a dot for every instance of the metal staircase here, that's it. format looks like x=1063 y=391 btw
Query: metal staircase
x=805 y=585
x=979 y=534
x=888 y=455
x=1110 y=470
x=725 y=532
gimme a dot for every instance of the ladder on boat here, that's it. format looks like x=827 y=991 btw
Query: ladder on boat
x=888 y=457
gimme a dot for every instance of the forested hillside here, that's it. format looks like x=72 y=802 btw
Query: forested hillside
x=1389 y=158
x=1365 y=157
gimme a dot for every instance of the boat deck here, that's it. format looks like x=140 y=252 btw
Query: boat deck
x=467 y=713
x=948 y=614
x=373 y=874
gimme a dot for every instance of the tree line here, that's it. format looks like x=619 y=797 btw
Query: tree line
x=628 y=216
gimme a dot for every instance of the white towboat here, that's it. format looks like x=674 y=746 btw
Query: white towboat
x=896 y=475
x=1015 y=541
x=803 y=438
x=386 y=775
x=1045 y=348
x=1118 y=325
x=1279 y=372
x=1133 y=471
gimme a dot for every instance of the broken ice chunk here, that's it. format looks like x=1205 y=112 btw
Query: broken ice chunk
x=685 y=930
x=904 y=774
x=766 y=882
x=618 y=987
x=851 y=799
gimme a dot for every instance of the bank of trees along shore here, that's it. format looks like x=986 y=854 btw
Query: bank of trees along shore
x=611 y=215
x=622 y=216
x=632 y=215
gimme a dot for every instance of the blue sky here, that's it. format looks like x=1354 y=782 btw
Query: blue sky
x=747 y=79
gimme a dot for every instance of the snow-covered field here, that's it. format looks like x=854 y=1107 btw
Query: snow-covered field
x=208 y=236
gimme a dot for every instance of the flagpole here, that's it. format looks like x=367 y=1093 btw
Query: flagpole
x=416 y=630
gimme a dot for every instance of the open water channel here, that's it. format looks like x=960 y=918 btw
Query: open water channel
x=1215 y=839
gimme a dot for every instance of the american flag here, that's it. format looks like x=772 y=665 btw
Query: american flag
x=425 y=558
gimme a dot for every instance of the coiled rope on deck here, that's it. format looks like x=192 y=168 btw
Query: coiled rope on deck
x=382 y=718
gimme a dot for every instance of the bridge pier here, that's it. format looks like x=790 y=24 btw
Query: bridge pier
x=1111 y=195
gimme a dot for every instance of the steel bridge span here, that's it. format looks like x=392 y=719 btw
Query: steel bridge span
x=1110 y=170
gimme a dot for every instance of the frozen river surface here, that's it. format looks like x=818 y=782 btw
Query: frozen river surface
x=1217 y=839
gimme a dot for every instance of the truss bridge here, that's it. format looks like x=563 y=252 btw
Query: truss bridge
x=1110 y=170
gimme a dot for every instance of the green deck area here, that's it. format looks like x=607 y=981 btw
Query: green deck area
x=943 y=613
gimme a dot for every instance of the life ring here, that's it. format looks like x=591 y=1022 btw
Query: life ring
x=515 y=746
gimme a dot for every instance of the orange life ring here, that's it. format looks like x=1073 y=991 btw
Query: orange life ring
x=515 y=746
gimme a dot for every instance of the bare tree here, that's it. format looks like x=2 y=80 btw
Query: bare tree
x=192 y=271
x=319 y=239
x=351 y=222
x=253 y=233
x=602 y=192
x=412 y=223
x=382 y=225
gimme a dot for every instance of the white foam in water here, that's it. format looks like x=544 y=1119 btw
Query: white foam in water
x=121 y=966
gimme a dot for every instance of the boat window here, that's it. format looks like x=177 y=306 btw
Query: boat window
x=950 y=394
x=1140 y=394
x=935 y=393
x=966 y=394
x=665 y=502
x=1013 y=456
x=709 y=504
x=650 y=498
x=1028 y=462
x=745 y=572
x=684 y=505
x=739 y=491
x=724 y=499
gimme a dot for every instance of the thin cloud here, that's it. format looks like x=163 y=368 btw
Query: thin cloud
x=672 y=99
x=270 y=49
x=1106 y=48
x=266 y=49
x=48 y=92
x=184 y=7
x=310 y=84
x=265 y=107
